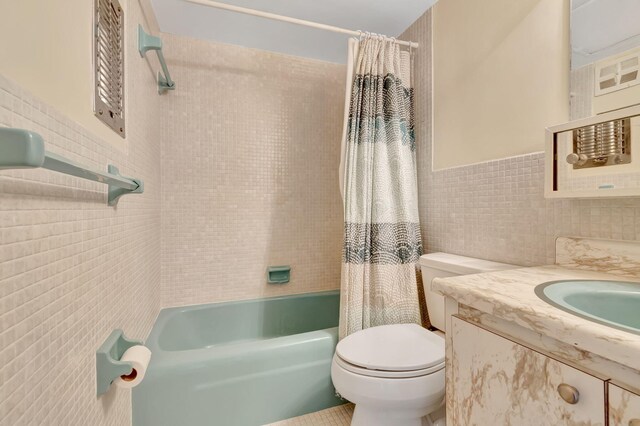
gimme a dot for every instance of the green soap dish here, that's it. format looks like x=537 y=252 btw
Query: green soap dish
x=278 y=274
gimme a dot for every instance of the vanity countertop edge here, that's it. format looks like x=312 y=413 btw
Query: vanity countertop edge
x=509 y=295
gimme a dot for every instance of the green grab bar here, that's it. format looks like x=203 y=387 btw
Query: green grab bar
x=148 y=42
x=23 y=149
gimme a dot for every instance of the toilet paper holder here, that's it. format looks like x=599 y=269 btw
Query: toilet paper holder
x=108 y=364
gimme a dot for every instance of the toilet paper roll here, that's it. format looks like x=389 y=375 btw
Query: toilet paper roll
x=139 y=357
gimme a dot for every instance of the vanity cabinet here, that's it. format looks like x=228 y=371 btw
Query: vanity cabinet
x=624 y=407
x=496 y=381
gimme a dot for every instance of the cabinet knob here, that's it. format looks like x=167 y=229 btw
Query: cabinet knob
x=634 y=422
x=570 y=394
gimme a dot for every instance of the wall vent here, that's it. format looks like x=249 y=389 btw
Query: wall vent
x=617 y=73
x=109 y=64
x=602 y=144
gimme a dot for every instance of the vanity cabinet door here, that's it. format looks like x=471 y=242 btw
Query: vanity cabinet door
x=624 y=407
x=498 y=382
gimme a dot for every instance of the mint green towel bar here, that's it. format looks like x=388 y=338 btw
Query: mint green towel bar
x=23 y=149
x=148 y=42
x=108 y=364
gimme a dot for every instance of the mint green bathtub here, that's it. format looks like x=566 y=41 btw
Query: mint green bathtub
x=242 y=363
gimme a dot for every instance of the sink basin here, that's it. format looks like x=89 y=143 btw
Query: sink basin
x=613 y=303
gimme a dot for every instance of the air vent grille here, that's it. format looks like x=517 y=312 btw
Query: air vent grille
x=617 y=73
x=603 y=144
x=109 y=64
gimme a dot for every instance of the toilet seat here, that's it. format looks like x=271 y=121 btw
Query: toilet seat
x=386 y=374
x=391 y=351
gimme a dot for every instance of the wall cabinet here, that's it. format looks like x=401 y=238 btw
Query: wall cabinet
x=571 y=171
x=496 y=381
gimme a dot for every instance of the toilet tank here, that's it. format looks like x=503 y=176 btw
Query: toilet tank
x=441 y=265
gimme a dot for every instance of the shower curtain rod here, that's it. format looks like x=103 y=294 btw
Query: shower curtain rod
x=290 y=20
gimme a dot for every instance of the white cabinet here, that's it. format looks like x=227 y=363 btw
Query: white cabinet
x=624 y=407
x=496 y=381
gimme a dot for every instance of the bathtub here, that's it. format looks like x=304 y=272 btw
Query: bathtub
x=242 y=363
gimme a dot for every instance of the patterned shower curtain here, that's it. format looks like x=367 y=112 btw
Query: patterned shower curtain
x=382 y=242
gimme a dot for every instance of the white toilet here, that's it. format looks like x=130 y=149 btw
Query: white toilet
x=395 y=373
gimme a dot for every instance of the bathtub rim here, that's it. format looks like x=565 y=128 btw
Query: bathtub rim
x=166 y=314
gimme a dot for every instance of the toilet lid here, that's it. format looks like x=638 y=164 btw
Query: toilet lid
x=397 y=347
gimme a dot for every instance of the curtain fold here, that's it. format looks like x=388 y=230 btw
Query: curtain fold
x=352 y=55
x=382 y=242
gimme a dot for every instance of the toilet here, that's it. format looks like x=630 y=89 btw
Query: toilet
x=394 y=374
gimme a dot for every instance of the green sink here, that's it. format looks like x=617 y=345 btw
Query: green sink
x=613 y=303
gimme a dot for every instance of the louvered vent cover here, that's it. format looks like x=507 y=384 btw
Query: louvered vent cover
x=602 y=144
x=617 y=73
x=109 y=64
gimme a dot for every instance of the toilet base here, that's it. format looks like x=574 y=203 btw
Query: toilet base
x=367 y=417
x=391 y=402
x=363 y=416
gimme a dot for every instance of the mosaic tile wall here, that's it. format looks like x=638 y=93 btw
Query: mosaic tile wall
x=582 y=91
x=73 y=269
x=496 y=210
x=250 y=154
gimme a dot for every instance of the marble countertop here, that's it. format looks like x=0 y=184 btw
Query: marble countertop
x=509 y=295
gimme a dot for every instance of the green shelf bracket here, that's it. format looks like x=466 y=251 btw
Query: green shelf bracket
x=108 y=364
x=147 y=42
x=115 y=192
x=163 y=84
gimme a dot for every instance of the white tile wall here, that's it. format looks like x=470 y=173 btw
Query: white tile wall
x=496 y=210
x=73 y=269
x=250 y=154
x=582 y=91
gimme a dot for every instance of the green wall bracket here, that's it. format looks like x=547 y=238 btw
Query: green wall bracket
x=108 y=364
x=163 y=84
x=147 y=42
x=115 y=192
x=20 y=149
x=23 y=149
x=278 y=274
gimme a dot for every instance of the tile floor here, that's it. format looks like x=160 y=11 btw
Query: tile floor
x=335 y=416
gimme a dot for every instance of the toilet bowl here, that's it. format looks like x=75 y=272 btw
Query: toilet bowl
x=394 y=374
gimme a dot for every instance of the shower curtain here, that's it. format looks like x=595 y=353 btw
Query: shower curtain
x=382 y=242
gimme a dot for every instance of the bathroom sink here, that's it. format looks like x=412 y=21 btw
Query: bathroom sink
x=613 y=303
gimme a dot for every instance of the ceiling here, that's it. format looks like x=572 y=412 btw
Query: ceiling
x=601 y=28
x=389 y=17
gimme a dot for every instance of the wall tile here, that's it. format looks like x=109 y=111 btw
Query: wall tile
x=250 y=154
x=496 y=210
x=73 y=269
